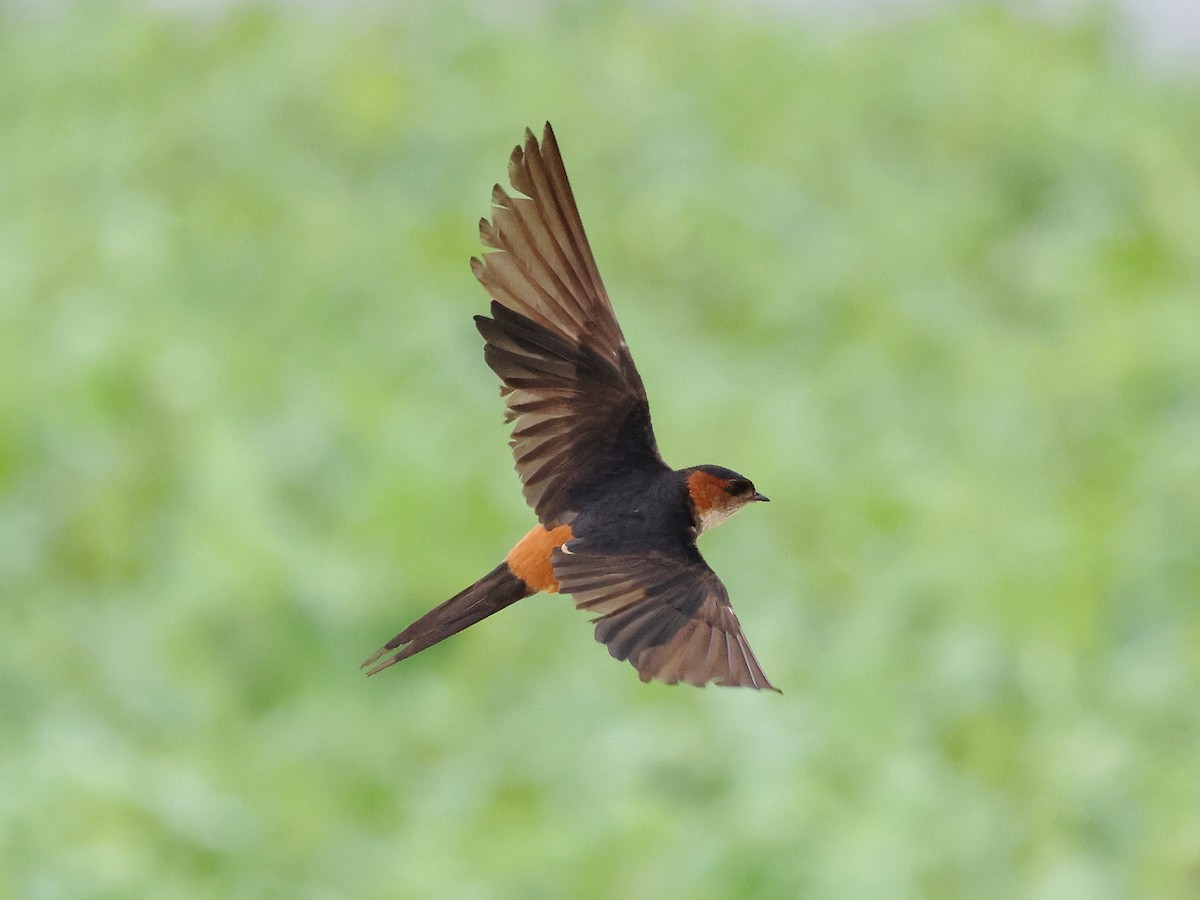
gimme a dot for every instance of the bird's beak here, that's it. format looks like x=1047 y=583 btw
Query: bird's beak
x=761 y=498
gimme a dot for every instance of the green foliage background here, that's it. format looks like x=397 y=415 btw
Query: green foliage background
x=933 y=285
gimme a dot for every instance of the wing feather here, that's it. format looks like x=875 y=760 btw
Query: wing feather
x=669 y=616
x=568 y=380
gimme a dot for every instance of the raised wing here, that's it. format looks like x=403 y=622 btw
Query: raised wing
x=568 y=379
x=669 y=616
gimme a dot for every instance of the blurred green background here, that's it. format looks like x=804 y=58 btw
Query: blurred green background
x=932 y=284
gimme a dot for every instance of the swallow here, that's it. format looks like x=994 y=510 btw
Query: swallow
x=617 y=526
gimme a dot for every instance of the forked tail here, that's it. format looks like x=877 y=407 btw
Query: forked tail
x=490 y=594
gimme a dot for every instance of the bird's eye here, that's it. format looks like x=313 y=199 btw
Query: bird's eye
x=739 y=488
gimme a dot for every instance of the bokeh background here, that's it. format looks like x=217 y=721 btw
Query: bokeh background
x=932 y=280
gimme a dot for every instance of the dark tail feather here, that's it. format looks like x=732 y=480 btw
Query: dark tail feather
x=490 y=594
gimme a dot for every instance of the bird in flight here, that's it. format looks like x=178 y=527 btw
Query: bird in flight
x=617 y=526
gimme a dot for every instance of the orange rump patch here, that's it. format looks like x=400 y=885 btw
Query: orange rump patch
x=705 y=489
x=530 y=559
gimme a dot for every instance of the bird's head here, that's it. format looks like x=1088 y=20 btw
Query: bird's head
x=717 y=493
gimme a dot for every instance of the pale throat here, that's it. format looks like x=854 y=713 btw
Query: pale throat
x=714 y=516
